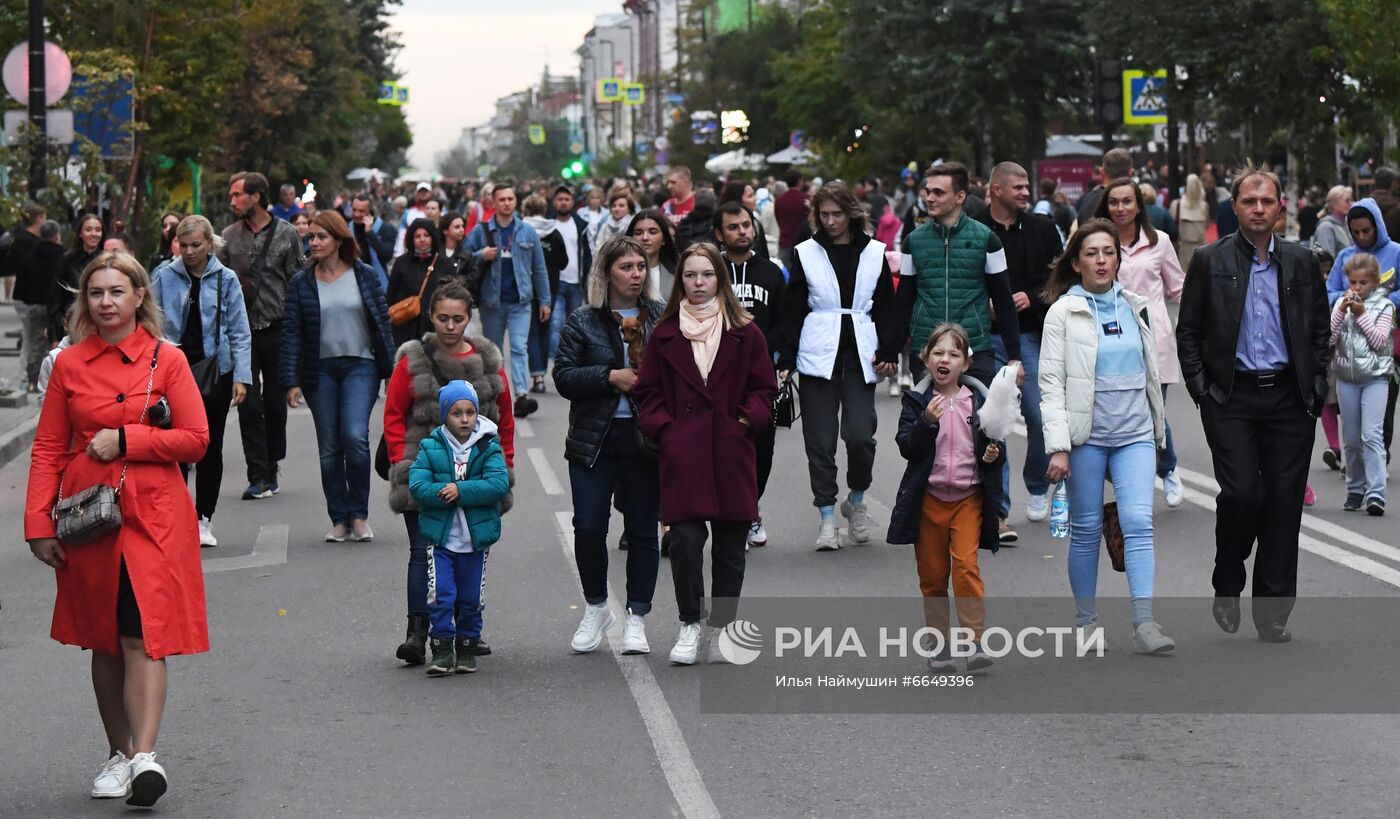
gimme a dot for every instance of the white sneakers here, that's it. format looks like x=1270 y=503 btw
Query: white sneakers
x=859 y=516
x=758 y=536
x=1038 y=508
x=337 y=534
x=895 y=390
x=827 y=541
x=361 y=532
x=634 y=635
x=687 y=647
x=596 y=622
x=147 y=781
x=1171 y=487
x=206 y=533
x=114 y=779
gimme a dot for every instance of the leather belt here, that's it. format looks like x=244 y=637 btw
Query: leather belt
x=1263 y=379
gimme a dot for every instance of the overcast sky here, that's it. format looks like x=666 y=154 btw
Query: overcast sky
x=458 y=57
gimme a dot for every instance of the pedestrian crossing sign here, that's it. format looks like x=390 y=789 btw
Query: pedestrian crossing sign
x=635 y=93
x=609 y=90
x=1144 y=97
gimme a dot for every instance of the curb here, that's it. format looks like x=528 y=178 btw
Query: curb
x=16 y=441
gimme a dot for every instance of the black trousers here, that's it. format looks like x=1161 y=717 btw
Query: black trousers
x=209 y=472
x=1388 y=427
x=262 y=417
x=726 y=569
x=843 y=404
x=1260 y=441
x=763 y=445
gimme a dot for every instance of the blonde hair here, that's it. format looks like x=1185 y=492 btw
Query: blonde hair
x=534 y=205
x=148 y=315
x=601 y=276
x=735 y=316
x=1363 y=263
x=943 y=330
x=198 y=224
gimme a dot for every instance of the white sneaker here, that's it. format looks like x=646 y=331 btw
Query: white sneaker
x=906 y=382
x=1171 y=487
x=634 y=635
x=712 y=652
x=827 y=541
x=337 y=534
x=687 y=647
x=596 y=622
x=114 y=779
x=859 y=516
x=206 y=533
x=361 y=532
x=895 y=390
x=148 y=781
x=757 y=535
x=1038 y=508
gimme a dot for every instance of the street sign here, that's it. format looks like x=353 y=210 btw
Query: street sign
x=58 y=123
x=634 y=93
x=392 y=93
x=1144 y=97
x=609 y=90
x=104 y=115
x=401 y=95
x=58 y=73
x=536 y=133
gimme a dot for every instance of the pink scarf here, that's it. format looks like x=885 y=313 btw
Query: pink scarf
x=702 y=324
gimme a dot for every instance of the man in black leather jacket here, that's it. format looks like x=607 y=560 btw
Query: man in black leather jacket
x=1253 y=339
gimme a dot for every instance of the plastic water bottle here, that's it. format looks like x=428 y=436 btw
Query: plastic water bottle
x=1059 y=512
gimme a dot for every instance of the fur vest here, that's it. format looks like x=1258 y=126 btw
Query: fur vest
x=482 y=370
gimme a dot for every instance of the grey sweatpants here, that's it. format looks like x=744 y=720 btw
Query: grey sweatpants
x=843 y=399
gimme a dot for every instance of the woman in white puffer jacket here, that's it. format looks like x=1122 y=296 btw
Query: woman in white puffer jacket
x=1102 y=412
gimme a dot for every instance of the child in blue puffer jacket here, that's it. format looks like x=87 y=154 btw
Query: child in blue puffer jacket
x=458 y=479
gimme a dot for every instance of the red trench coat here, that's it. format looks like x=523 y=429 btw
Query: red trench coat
x=96 y=386
x=707 y=462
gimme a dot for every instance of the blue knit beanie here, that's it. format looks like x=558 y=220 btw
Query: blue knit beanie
x=452 y=393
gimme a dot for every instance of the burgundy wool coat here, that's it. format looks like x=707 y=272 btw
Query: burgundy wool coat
x=707 y=466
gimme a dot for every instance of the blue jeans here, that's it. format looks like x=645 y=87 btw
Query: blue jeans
x=1033 y=473
x=495 y=321
x=454 y=593
x=1166 y=459
x=341 y=402
x=1363 y=406
x=567 y=300
x=619 y=468
x=1131 y=467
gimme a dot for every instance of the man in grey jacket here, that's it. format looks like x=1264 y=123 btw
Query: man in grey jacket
x=264 y=251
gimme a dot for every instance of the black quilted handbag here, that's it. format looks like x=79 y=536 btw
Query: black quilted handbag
x=785 y=410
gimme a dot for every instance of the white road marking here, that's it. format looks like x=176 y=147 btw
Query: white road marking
x=672 y=752
x=270 y=549
x=1386 y=574
x=548 y=479
x=523 y=429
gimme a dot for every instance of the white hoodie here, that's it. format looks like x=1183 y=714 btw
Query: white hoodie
x=459 y=539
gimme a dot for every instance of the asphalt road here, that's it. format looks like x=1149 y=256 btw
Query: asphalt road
x=301 y=709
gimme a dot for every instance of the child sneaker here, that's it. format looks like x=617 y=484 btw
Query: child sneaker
x=148 y=781
x=466 y=659
x=442 y=662
x=114 y=779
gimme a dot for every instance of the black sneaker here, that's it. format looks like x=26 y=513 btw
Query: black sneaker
x=524 y=405
x=442 y=662
x=1375 y=507
x=466 y=660
x=478 y=647
x=257 y=491
x=1353 y=503
x=1333 y=458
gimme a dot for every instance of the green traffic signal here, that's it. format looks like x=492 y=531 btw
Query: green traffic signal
x=568 y=172
x=577 y=167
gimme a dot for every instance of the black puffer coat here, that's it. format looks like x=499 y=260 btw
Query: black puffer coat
x=917 y=439
x=590 y=347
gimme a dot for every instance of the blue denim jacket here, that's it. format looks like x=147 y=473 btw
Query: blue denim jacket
x=527 y=253
x=171 y=283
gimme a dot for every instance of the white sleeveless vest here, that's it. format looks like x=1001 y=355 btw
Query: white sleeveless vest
x=821 y=330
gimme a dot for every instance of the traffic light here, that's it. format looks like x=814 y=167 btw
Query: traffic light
x=1108 y=92
x=574 y=168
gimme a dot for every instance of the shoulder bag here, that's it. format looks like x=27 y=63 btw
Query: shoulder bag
x=206 y=372
x=97 y=511
x=408 y=309
x=785 y=410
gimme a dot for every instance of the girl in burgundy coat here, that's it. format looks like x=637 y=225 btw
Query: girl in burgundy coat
x=706 y=390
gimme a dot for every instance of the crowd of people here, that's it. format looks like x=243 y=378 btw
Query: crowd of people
x=682 y=326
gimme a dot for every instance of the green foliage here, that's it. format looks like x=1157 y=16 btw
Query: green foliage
x=529 y=160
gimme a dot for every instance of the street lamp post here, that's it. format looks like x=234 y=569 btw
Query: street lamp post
x=38 y=102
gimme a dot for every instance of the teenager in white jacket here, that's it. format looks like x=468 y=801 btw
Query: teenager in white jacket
x=1102 y=411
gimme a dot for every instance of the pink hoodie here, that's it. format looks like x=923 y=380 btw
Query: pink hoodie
x=954 y=474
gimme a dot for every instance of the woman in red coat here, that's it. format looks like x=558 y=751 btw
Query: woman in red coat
x=705 y=390
x=135 y=596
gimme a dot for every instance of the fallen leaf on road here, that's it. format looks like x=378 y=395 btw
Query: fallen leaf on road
x=281 y=612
